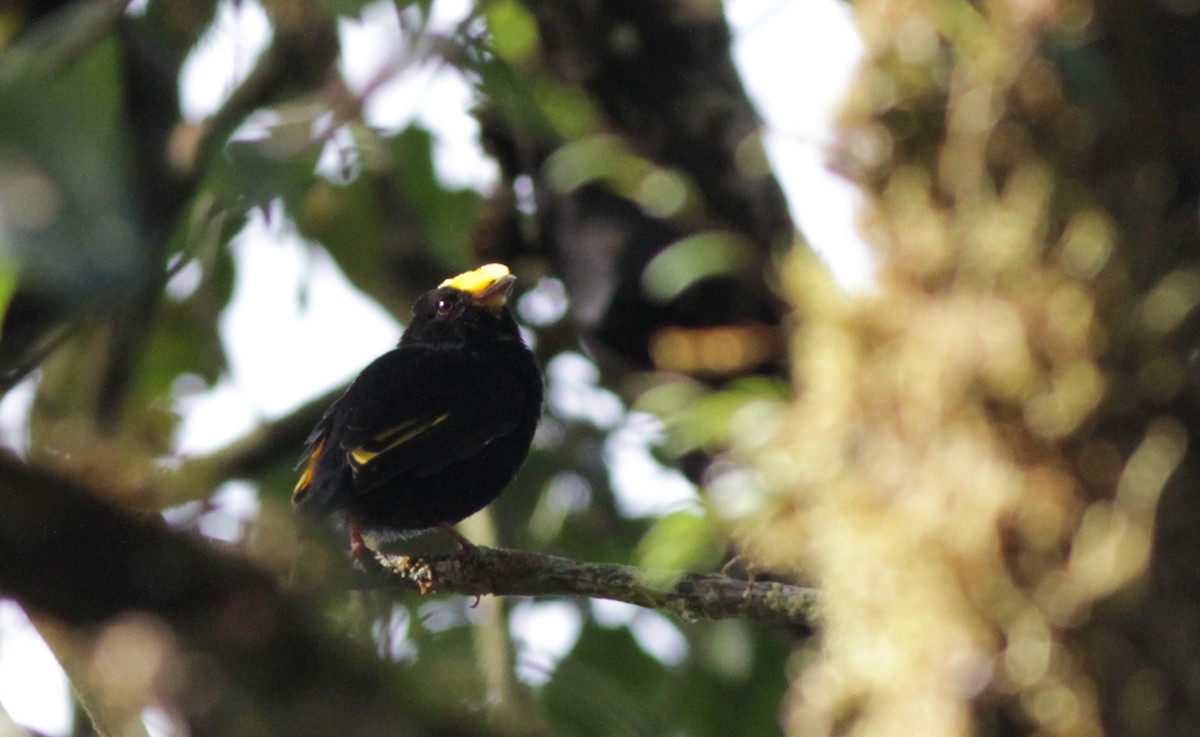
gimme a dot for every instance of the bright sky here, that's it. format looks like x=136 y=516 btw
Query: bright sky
x=796 y=59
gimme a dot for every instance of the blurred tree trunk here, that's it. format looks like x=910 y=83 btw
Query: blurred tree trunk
x=991 y=469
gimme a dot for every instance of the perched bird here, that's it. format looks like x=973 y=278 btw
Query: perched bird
x=433 y=430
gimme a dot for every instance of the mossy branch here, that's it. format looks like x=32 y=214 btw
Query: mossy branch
x=688 y=596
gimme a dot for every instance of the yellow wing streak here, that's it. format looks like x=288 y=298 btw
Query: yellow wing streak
x=397 y=435
x=311 y=468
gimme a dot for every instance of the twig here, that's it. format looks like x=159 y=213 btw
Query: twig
x=301 y=58
x=36 y=355
x=249 y=456
x=688 y=596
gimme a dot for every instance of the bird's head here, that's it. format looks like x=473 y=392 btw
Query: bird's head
x=469 y=306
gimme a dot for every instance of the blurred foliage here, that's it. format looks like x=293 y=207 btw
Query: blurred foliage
x=117 y=224
x=990 y=464
x=69 y=218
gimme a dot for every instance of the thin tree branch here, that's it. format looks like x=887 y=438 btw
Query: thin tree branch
x=688 y=596
x=249 y=456
x=300 y=59
x=36 y=355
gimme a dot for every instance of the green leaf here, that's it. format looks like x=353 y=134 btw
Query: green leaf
x=447 y=214
x=736 y=682
x=700 y=418
x=568 y=108
x=511 y=96
x=8 y=285
x=185 y=338
x=66 y=207
x=596 y=157
x=607 y=686
x=280 y=165
x=347 y=220
x=680 y=542
x=514 y=31
x=348 y=8
x=731 y=684
x=697 y=257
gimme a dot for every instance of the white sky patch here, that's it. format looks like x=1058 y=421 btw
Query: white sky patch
x=160 y=723
x=184 y=282
x=14 y=415
x=339 y=159
x=234 y=505
x=33 y=688
x=445 y=15
x=371 y=43
x=391 y=635
x=545 y=304
x=294 y=328
x=223 y=58
x=214 y=418
x=458 y=154
x=565 y=494
x=658 y=636
x=295 y=315
x=404 y=89
x=543 y=633
x=609 y=613
x=573 y=392
x=444 y=614
x=797 y=60
x=643 y=486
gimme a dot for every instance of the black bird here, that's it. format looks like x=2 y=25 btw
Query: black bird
x=433 y=430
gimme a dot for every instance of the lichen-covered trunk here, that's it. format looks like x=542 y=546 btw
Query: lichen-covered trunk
x=989 y=469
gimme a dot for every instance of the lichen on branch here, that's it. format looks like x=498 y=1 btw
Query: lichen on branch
x=687 y=596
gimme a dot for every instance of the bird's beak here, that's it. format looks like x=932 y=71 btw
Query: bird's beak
x=488 y=286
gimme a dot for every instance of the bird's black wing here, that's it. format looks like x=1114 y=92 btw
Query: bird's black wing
x=314 y=448
x=418 y=409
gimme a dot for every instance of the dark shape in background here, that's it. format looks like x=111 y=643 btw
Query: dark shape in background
x=663 y=80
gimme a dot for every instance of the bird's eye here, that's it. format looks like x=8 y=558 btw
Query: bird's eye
x=444 y=305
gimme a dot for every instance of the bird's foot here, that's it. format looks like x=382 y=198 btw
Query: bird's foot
x=467 y=548
x=358 y=546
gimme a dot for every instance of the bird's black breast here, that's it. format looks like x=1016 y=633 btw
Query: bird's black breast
x=427 y=434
